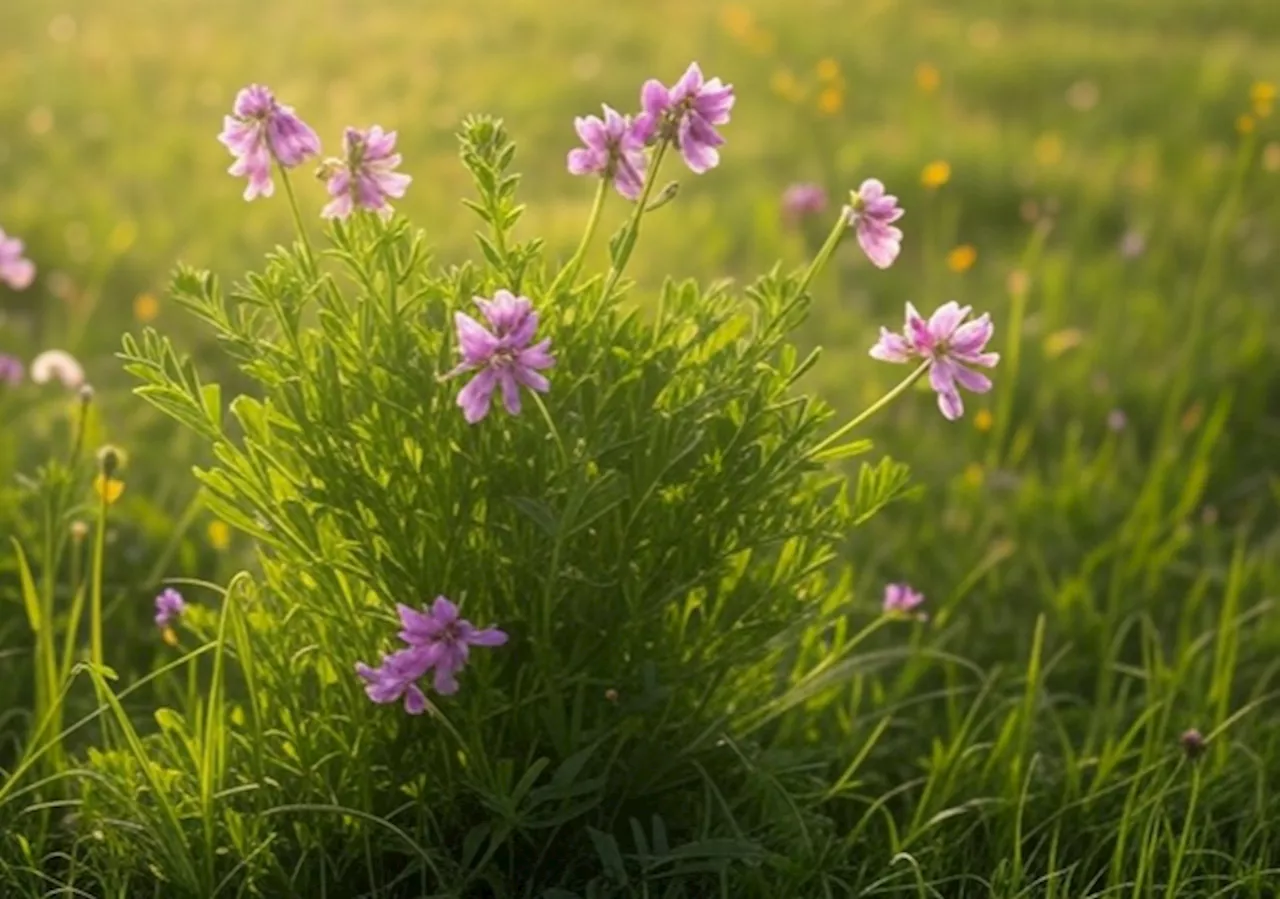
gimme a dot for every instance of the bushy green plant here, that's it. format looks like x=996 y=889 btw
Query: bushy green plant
x=655 y=535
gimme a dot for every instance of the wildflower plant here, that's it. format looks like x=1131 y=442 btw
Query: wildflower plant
x=581 y=603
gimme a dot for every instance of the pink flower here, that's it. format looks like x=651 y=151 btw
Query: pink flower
x=445 y=639
x=366 y=177
x=397 y=676
x=802 y=200
x=872 y=213
x=11 y=369
x=259 y=130
x=900 y=599
x=15 y=269
x=949 y=347
x=613 y=148
x=505 y=357
x=169 y=605
x=688 y=113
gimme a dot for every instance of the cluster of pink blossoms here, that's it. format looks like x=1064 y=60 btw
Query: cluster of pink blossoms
x=504 y=356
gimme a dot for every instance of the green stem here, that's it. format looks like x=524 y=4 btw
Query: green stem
x=824 y=254
x=593 y=219
x=633 y=227
x=297 y=219
x=95 y=583
x=875 y=407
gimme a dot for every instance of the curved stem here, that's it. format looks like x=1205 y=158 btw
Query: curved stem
x=633 y=227
x=297 y=218
x=905 y=385
x=824 y=254
x=570 y=270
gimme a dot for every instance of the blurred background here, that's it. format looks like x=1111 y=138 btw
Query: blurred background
x=1101 y=175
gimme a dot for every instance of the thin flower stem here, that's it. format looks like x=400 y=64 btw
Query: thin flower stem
x=570 y=270
x=95 y=582
x=824 y=254
x=633 y=227
x=875 y=407
x=297 y=219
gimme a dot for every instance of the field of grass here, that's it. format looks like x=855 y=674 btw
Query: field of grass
x=1089 y=708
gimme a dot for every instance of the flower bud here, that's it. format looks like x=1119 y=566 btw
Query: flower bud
x=109 y=461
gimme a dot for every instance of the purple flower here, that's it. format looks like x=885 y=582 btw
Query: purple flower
x=169 y=605
x=15 y=270
x=366 y=176
x=614 y=148
x=872 y=213
x=948 y=346
x=437 y=639
x=396 y=677
x=11 y=369
x=900 y=599
x=802 y=200
x=259 y=130
x=502 y=356
x=445 y=639
x=688 y=113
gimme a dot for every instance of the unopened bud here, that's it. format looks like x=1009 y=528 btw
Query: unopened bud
x=109 y=460
x=611 y=695
x=86 y=393
x=79 y=530
x=1193 y=743
x=665 y=196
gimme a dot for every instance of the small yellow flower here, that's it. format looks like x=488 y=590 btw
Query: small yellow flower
x=219 y=534
x=830 y=101
x=785 y=84
x=108 y=489
x=936 y=174
x=828 y=70
x=169 y=637
x=1048 y=150
x=1059 y=342
x=962 y=258
x=1262 y=92
x=1262 y=110
x=983 y=420
x=123 y=235
x=737 y=20
x=145 y=308
x=1245 y=124
x=928 y=78
x=973 y=475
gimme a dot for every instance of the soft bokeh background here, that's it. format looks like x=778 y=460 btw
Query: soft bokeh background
x=1102 y=175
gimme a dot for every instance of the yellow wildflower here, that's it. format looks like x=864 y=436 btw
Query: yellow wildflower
x=108 y=489
x=961 y=258
x=1048 y=150
x=169 y=636
x=936 y=174
x=219 y=534
x=1245 y=124
x=830 y=101
x=973 y=475
x=927 y=78
x=828 y=70
x=145 y=308
x=983 y=420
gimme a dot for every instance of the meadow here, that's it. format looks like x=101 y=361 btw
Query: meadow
x=702 y=690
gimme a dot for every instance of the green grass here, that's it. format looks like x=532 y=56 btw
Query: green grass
x=1092 y=593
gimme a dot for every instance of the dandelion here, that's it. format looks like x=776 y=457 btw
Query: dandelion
x=15 y=269
x=261 y=129
x=366 y=176
x=59 y=365
x=950 y=345
x=961 y=258
x=872 y=213
x=936 y=174
x=504 y=357
x=446 y=639
x=145 y=308
x=900 y=600
x=928 y=78
x=613 y=148
x=802 y=200
x=169 y=607
x=688 y=113
x=11 y=369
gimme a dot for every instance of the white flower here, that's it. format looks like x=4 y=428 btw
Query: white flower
x=57 y=364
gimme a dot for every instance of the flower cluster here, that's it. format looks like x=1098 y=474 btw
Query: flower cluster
x=900 y=600
x=685 y=114
x=436 y=640
x=949 y=345
x=169 y=607
x=505 y=357
x=366 y=175
x=260 y=130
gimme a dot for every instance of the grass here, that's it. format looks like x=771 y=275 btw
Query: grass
x=1093 y=591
